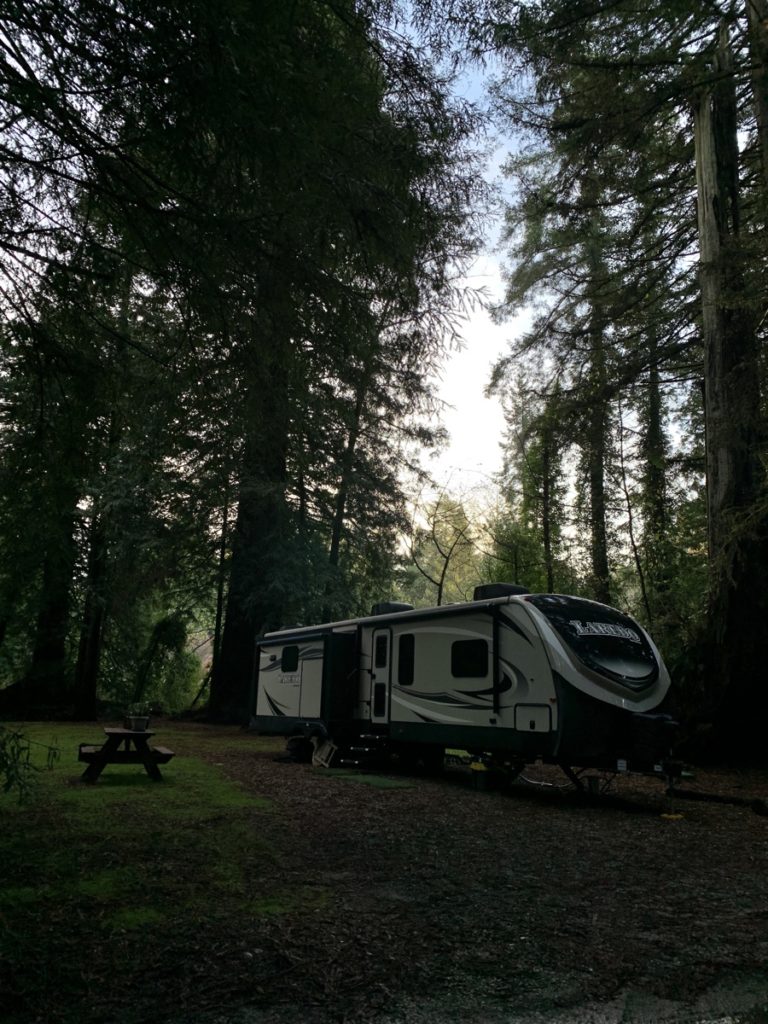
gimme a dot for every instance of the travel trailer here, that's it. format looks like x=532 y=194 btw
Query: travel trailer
x=513 y=676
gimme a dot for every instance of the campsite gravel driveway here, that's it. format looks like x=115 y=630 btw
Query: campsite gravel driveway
x=426 y=902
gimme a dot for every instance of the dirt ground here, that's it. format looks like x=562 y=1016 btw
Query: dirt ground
x=427 y=901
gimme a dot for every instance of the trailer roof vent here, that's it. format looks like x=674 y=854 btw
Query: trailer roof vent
x=491 y=590
x=390 y=607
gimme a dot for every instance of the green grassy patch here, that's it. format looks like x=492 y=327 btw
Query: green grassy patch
x=110 y=885
x=136 y=917
x=18 y=896
x=286 y=902
x=103 y=886
x=377 y=781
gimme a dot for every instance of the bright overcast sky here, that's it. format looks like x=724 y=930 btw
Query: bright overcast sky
x=475 y=423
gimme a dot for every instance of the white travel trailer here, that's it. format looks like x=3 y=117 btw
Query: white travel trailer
x=517 y=676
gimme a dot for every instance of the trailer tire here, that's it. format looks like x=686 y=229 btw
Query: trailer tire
x=433 y=760
x=299 y=749
x=421 y=758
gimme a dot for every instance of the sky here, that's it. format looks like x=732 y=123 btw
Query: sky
x=475 y=422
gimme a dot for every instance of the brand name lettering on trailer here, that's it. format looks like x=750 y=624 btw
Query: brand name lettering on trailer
x=605 y=629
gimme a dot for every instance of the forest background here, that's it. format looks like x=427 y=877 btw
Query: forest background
x=232 y=241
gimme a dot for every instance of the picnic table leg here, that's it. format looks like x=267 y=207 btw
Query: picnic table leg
x=97 y=766
x=93 y=771
x=150 y=765
x=152 y=770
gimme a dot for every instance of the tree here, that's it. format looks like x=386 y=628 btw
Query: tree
x=239 y=224
x=665 y=87
x=736 y=497
x=443 y=552
x=384 y=283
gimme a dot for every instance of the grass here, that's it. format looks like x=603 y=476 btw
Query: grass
x=376 y=781
x=102 y=886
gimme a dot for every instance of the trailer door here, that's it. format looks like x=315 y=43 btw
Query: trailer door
x=381 y=656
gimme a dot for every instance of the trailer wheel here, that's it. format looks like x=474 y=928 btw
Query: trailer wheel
x=421 y=758
x=299 y=749
x=433 y=760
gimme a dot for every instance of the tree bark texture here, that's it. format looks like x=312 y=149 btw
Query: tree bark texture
x=654 y=455
x=346 y=467
x=47 y=675
x=258 y=565
x=345 y=477
x=596 y=416
x=253 y=604
x=757 y=15
x=736 y=525
x=546 y=508
x=92 y=628
x=221 y=580
x=596 y=445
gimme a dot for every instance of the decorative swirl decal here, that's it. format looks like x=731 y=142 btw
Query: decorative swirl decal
x=441 y=698
x=514 y=628
x=276 y=708
x=505 y=684
x=310 y=653
x=305 y=654
x=522 y=689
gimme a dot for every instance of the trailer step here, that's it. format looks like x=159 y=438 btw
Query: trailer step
x=324 y=753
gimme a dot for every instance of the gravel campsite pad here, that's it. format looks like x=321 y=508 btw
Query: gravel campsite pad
x=418 y=900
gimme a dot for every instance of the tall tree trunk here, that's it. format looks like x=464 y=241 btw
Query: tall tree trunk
x=46 y=678
x=738 y=534
x=253 y=602
x=257 y=581
x=654 y=456
x=757 y=15
x=346 y=468
x=596 y=448
x=94 y=611
x=46 y=684
x=546 y=507
x=92 y=628
x=631 y=522
x=597 y=415
x=221 y=581
x=655 y=453
x=345 y=476
x=601 y=588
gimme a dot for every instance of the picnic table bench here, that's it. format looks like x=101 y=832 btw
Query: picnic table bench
x=123 y=746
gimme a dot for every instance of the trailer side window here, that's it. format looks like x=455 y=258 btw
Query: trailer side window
x=290 y=659
x=405 y=659
x=380 y=654
x=469 y=659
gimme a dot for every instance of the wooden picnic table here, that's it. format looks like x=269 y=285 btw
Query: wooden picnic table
x=123 y=746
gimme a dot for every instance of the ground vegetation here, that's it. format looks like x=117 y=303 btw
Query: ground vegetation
x=244 y=887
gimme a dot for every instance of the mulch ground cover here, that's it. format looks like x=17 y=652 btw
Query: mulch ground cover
x=475 y=906
x=393 y=899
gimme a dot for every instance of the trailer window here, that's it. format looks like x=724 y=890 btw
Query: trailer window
x=290 y=659
x=469 y=659
x=405 y=659
x=380 y=654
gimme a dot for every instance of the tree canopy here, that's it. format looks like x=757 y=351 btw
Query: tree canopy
x=638 y=229
x=230 y=247
x=228 y=254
